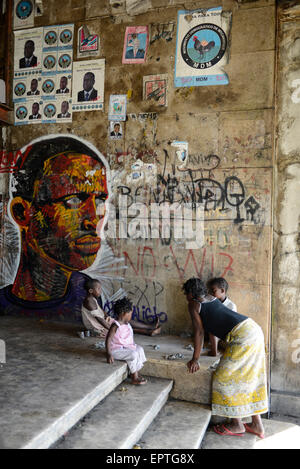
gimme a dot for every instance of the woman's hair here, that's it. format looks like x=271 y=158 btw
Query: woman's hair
x=90 y=284
x=122 y=306
x=220 y=282
x=196 y=287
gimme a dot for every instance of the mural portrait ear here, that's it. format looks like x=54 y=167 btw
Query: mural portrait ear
x=20 y=210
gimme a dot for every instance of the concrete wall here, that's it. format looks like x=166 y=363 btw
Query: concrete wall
x=285 y=378
x=234 y=123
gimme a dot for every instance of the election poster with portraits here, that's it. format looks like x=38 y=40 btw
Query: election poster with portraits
x=43 y=66
x=88 y=85
x=202 y=47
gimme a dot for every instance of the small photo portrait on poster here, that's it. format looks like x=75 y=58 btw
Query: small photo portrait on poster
x=35 y=111
x=34 y=87
x=115 y=130
x=64 y=109
x=64 y=84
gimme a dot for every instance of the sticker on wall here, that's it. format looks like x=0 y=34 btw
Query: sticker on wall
x=87 y=43
x=88 y=85
x=182 y=151
x=202 y=47
x=155 y=88
x=115 y=130
x=117 y=107
x=23 y=14
x=135 y=44
x=64 y=109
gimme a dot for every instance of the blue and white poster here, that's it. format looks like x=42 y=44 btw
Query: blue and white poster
x=202 y=47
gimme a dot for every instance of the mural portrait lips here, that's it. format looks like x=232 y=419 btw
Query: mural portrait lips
x=88 y=245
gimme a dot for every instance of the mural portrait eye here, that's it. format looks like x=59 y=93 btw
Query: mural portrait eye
x=73 y=202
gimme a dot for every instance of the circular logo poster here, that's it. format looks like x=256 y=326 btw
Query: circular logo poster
x=203 y=46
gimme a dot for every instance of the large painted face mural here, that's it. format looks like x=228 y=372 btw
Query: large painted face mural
x=58 y=204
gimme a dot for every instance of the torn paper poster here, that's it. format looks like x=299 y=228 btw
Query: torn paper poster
x=155 y=88
x=182 y=151
x=202 y=47
x=117 y=107
x=135 y=44
x=87 y=43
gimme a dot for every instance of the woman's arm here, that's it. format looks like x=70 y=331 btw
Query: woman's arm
x=194 y=310
x=109 y=337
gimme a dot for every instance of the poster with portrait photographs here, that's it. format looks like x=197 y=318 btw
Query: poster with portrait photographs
x=115 y=130
x=26 y=87
x=88 y=85
x=28 y=52
x=23 y=14
x=43 y=71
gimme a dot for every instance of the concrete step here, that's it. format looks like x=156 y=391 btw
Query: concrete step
x=121 y=419
x=179 y=425
x=51 y=379
x=188 y=387
x=278 y=435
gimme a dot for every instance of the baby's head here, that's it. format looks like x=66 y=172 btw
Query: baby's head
x=218 y=287
x=93 y=287
x=123 y=310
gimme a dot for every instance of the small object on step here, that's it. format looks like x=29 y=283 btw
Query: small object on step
x=100 y=345
x=174 y=356
x=123 y=389
x=87 y=333
x=189 y=347
x=81 y=334
x=155 y=347
x=137 y=446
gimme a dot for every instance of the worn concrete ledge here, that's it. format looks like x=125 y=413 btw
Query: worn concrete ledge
x=187 y=387
x=179 y=425
x=285 y=404
x=121 y=419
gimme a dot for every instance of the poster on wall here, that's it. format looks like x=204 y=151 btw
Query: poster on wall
x=155 y=88
x=135 y=45
x=117 y=107
x=87 y=43
x=115 y=130
x=43 y=66
x=88 y=85
x=23 y=16
x=202 y=47
x=28 y=52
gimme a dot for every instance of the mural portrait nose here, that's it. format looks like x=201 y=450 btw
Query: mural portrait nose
x=89 y=224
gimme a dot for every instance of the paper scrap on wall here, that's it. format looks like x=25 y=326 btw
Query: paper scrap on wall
x=117 y=107
x=23 y=16
x=135 y=44
x=155 y=88
x=202 y=47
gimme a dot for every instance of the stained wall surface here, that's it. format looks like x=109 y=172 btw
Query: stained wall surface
x=285 y=378
x=229 y=130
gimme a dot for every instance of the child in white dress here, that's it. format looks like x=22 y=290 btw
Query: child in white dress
x=120 y=343
x=218 y=287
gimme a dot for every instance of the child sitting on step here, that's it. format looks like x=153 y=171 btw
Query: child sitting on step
x=120 y=343
x=93 y=317
x=218 y=287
